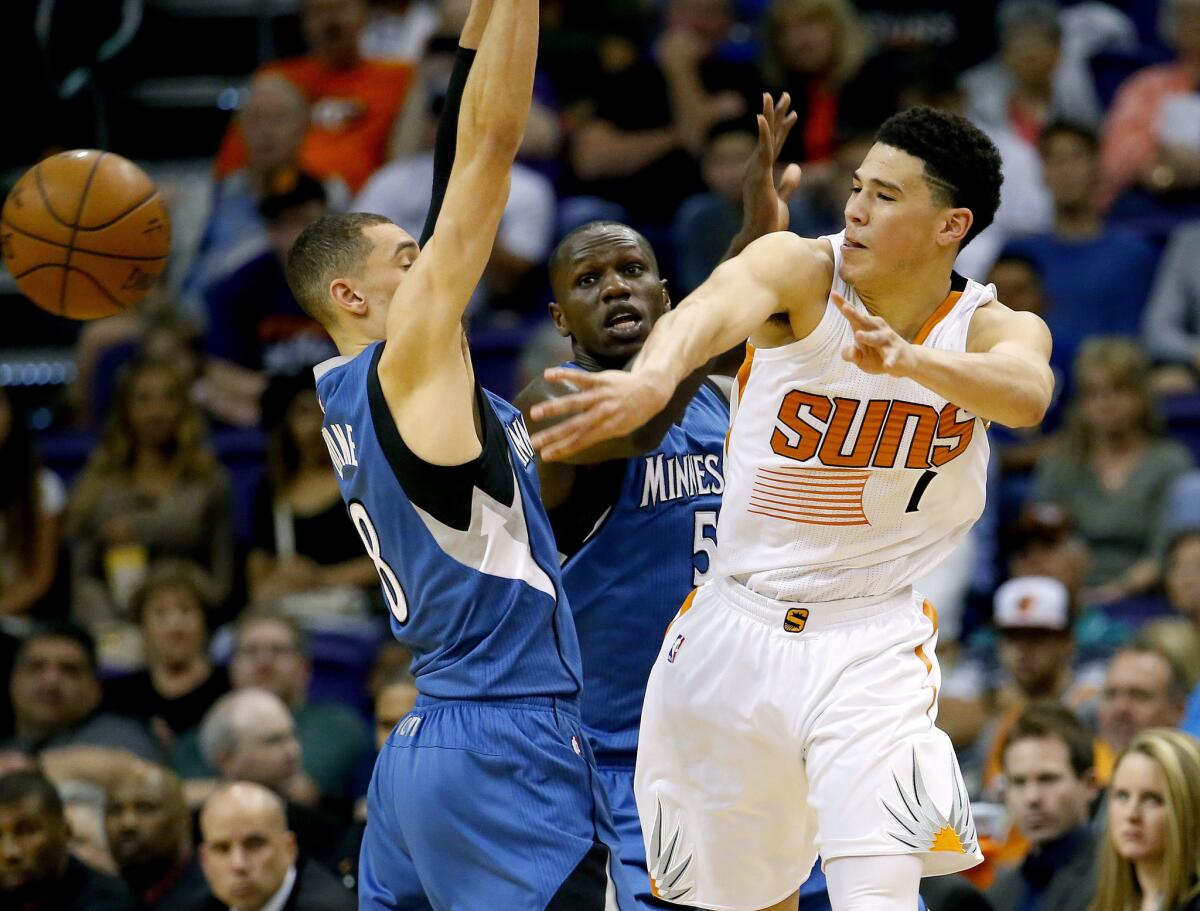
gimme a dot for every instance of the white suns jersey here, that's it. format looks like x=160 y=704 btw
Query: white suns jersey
x=842 y=484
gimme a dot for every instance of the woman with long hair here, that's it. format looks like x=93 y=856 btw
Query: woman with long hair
x=152 y=489
x=1150 y=860
x=32 y=499
x=1113 y=468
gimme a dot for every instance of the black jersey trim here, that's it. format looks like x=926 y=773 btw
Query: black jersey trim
x=957 y=282
x=586 y=887
x=444 y=491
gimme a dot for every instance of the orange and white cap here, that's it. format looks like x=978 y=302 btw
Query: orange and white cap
x=1032 y=602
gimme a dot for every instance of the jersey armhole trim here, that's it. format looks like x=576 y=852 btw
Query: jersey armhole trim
x=443 y=491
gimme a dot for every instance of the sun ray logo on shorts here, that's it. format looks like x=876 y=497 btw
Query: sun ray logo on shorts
x=796 y=619
x=678 y=644
x=922 y=826
x=666 y=871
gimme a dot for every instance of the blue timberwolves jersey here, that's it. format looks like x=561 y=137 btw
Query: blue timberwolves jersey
x=465 y=554
x=637 y=535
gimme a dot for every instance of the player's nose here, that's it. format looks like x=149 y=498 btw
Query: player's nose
x=614 y=286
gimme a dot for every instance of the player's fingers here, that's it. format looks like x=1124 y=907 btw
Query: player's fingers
x=783 y=126
x=582 y=433
x=563 y=405
x=789 y=183
x=876 y=338
x=851 y=353
x=853 y=316
x=764 y=137
x=580 y=379
x=552 y=437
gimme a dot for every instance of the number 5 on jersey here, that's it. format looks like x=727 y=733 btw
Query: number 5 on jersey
x=704 y=541
x=392 y=592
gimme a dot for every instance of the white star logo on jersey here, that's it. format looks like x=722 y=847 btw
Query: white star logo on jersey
x=922 y=826
x=666 y=873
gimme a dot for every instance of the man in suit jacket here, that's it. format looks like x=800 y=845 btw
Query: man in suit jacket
x=250 y=858
x=1050 y=785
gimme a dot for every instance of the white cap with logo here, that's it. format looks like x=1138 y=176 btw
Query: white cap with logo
x=1032 y=602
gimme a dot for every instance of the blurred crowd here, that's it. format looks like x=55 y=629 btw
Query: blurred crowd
x=200 y=666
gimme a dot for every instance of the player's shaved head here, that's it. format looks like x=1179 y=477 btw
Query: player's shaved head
x=331 y=247
x=582 y=240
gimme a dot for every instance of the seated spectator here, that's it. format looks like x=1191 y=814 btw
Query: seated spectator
x=251 y=861
x=305 y=552
x=83 y=806
x=1097 y=278
x=180 y=682
x=1049 y=786
x=393 y=701
x=353 y=102
x=1149 y=136
x=152 y=489
x=814 y=51
x=1182 y=583
x=1031 y=81
x=402 y=189
x=644 y=156
x=1150 y=860
x=37 y=873
x=32 y=499
x=55 y=693
x=1143 y=688
x=274 y=121
x=254 y=321
x=1171 y=323
x=1113 y=469
x=398 y=29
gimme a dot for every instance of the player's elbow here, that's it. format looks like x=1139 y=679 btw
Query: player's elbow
x=1029 y=409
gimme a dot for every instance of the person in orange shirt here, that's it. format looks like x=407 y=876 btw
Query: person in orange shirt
x=354 y=102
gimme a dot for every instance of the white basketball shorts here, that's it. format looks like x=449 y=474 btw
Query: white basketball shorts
x=775 y=731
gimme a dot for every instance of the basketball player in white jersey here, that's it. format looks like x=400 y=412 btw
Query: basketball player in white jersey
x=791 y=709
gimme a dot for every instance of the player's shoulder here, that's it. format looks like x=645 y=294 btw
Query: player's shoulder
x=540 y=389
x=994 y=322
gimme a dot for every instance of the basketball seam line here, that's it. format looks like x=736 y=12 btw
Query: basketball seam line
x=88 y=275
x=55 y=243
x=37 y=179
x=108 y=224
x=87 y=187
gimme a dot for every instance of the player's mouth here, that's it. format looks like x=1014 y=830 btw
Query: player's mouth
x=624 y=323
x=853 y=245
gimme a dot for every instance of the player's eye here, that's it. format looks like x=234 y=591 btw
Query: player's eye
x=884 y=196
x=635 y=269
x=854 y=189
x=586 y=279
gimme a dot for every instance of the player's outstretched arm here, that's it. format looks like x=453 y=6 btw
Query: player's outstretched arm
x=1004 y=376
x=777 y=274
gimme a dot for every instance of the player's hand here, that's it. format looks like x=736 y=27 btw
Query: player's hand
x=608 y=405
x=765 y=197
x=877 y=347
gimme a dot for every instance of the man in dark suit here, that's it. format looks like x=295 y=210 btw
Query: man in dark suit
x=250 y=858
x=1050 y=785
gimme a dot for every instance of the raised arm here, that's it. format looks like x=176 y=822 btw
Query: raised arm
x=780 y=274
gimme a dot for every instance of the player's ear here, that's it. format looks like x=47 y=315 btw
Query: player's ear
x=666 y=294
x=560 y=319
x=346 y=297
x=955 y=225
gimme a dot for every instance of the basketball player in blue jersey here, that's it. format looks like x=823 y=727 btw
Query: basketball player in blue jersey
x=486 y=795
x=635 y=519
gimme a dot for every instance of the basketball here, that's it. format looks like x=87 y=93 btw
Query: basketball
x=85 y=234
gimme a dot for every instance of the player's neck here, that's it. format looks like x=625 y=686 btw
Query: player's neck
x=907 y=302
x=594 y=363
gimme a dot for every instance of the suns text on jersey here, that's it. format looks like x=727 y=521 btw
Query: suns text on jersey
x=667 y=478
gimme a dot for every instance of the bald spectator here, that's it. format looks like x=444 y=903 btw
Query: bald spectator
x=149 y=833
x=37 y=873
x=1050 y=784
x=56 y=692
x=354 y=102
x=1143 y=688
x=250 y=857
x=271 y=651
x=249 y=735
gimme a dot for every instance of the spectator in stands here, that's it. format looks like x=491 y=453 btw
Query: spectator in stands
x=814 y=51
x=353 y=102
x=641 y=145
x=37 y=873
x=180 y=682
x=274 y=121
x=1171 y=324
x=152 y=488
x=1030 y=82
x=1049 y=786
x=1150 y=138
x=254 y=321
x=398 y=29
x=149 y=833
x=55 y=693
x=32 y=499
x=1113 y=469
x=394 y=699
x=305 y=550
x=1044 y=542
x=401 y=190
x=1097 y=278
x=1150 y=860
x=1143 y=688
x=251 y=861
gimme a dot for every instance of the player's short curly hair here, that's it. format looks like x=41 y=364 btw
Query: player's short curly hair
x=962 y=166
x=330 y=245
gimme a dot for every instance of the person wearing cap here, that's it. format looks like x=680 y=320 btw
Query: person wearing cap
x=1050 y=785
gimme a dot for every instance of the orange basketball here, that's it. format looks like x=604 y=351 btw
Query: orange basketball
x=85 y=233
